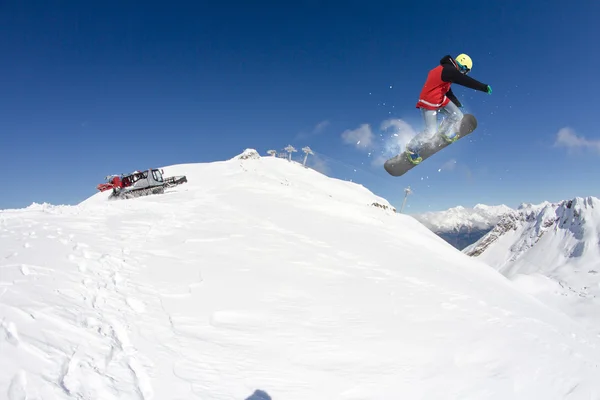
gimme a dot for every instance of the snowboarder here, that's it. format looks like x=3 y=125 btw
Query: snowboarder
x=436 y=96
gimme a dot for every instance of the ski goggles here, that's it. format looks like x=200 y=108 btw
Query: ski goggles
x=463 y=68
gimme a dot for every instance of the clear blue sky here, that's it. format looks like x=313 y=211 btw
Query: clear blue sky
x=90 y=90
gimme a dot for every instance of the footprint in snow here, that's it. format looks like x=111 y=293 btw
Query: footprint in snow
x=70 y=379
x=92 y=323
x=65 y=240
x=117 y=279
x=25 y=270
x=124 y=345
x=10 y=332
x=82 y=265
x=80 y=246
x=18 y=387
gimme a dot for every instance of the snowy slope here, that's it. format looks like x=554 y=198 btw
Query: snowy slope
x=259 y=274
x=461 y=226
x=553 y=251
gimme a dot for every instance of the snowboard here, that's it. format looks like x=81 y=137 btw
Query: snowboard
x=401 y=164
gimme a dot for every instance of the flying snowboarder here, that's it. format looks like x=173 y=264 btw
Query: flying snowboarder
x=436 y=96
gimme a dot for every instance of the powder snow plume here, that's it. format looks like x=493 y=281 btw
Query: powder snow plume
x=396 y=134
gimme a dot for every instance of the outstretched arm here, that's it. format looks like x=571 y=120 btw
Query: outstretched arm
x=453 y=75
x=453 y=98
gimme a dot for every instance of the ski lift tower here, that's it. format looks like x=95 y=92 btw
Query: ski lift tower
x=407 y=191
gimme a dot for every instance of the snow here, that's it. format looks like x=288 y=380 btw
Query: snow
x=529 y=207
x=481 y=216
x=551 y=250
x=262 y=278
x=247 y=154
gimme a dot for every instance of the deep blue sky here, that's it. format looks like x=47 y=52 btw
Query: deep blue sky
x=89 y=90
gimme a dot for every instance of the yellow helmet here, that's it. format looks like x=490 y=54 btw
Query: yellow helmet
x=465 y=63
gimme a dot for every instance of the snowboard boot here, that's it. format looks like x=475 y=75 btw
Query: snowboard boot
x=413 y=156
x=450 y=138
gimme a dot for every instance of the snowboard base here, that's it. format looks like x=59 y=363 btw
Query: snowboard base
x=401 y=163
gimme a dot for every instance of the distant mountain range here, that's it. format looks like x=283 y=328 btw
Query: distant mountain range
x=552 y=250
x=461 y=226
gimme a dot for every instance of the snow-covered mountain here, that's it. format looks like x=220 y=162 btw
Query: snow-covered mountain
x=553 y=251
x=461 y=226
x=261 y=276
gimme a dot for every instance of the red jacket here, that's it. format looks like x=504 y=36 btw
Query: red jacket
x=436 y=92
x=433 y=94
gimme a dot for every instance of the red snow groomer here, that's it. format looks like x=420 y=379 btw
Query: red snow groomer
x=139 y=183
